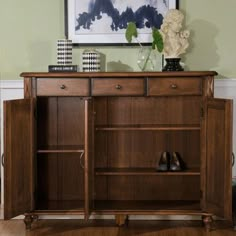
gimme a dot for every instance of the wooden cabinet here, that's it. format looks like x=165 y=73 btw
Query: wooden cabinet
x=89 y=143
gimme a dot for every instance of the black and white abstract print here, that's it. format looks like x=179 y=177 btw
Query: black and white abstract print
x=112 y=16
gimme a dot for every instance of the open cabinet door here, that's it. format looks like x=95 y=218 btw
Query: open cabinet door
x=89 y=158
x=18 y=157
x=218 y=188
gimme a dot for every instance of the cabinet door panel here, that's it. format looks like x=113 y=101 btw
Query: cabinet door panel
x=218 y=189
x=89 y=158
x=18 y=149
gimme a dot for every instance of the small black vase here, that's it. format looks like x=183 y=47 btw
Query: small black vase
x=172 y=64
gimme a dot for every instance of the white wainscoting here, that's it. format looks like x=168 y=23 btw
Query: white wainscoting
x=13 y=89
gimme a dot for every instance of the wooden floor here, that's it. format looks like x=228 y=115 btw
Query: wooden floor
x=108 y=228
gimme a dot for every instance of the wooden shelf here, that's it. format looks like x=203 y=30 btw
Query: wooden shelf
x=61 y=149
x=163 y=205
x=143 y=171
x=111 y=206
x=72 y=205
x=147 y=127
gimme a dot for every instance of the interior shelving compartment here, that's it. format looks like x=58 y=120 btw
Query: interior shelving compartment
x=138 y=152
x=154 y=193
x=131 y=134
x=60 y=154
x=126 y=176
x=60 y=182
x=173 y=111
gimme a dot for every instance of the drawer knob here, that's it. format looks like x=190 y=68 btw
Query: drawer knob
x=174 y=86
x=62 y=86
x=118 y=86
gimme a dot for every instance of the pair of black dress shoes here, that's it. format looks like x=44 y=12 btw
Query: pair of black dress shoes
x=169 y=162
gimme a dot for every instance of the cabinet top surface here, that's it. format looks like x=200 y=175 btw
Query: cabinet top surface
x=117 y=74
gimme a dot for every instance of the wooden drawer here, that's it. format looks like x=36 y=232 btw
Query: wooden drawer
x=174 y=86
x=118 y=87
x=62 y=87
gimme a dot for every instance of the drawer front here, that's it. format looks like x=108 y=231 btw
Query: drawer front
x=118 y=87
x=178 y=86
x=62 y=87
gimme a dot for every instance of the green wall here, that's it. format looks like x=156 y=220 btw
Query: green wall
x=30 y=29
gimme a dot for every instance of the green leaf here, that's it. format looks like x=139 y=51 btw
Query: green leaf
x=131 y=31
x=157 y=40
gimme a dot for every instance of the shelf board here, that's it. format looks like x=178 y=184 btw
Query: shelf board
x=147 y=127
x=191 y=207
x=143 y=171
x=60 y=205
x=160 y=206
x=61 y=149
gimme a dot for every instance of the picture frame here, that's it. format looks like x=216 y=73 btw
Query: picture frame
x=89 y=22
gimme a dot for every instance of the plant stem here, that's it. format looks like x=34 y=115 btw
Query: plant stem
x=141 y=46
x=146 y=60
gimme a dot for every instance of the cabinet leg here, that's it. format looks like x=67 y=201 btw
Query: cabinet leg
x=121 y=220
x=208 y=222
x=28 y=221
x=35 y=217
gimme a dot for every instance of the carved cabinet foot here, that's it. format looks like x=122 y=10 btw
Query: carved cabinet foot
x=28 y=221
x=121 y=220
x=208 y=222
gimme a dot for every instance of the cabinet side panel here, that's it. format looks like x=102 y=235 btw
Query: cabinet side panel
x=29 y=87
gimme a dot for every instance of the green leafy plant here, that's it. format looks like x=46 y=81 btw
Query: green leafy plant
x=157 y=43
x=131 y=31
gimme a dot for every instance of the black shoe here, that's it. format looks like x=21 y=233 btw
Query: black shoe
x=176 y=162
x=164 y=162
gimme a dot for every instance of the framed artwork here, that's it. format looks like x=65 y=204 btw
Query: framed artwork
x=103 y=22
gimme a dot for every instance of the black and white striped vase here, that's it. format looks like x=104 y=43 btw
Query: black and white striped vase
x=64 y=52
x=91 y=61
